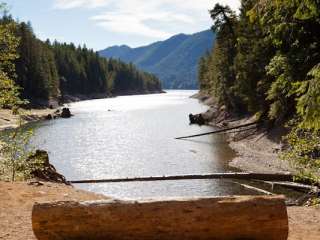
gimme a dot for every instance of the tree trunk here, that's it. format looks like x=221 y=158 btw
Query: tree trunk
x=224 y=218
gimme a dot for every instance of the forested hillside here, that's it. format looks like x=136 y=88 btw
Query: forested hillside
x=266 y=62
x=174 y=61
x=46 y=72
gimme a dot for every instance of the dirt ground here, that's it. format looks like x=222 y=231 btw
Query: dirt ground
x=17 y=199
x=304 y=223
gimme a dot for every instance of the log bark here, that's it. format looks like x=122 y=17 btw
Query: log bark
x=224 y=218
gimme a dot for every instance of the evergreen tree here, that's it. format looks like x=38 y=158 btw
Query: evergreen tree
x=267 y=62
x=36 y=67
x=9 y=92
x=45 y=71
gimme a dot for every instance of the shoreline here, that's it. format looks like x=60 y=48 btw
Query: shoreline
x=9 y=121
x=255 y=151
x=79 y=97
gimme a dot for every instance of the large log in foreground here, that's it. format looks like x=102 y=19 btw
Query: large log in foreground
x=224 y=218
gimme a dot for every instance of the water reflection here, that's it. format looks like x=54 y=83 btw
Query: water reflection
x=134 y=136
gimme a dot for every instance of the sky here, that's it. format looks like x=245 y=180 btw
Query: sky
x=103 y=23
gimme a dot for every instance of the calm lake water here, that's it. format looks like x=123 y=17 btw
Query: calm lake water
x=133 y=136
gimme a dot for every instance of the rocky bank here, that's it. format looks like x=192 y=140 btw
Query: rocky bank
x=256 y=150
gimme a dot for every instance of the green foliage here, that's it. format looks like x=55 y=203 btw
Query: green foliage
x=223 y=17
x=308 y=105
x=36 y=68
x=304 y=153
x=12 y=151
x=203 y=72
x=266 y=62
x=9 y=92
x=314 y=201
x=279 y=91
x=83 y=71
x=219 y=75
x=307 y=9
x=253 y=54
x=8 y=45
x=14 y=154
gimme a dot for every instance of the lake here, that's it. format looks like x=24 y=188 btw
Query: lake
x=134 y=136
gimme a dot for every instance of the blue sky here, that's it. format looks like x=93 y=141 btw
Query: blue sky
x=103 y=23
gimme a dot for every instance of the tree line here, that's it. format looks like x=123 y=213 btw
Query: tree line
x=43 y=71
x=266 y=61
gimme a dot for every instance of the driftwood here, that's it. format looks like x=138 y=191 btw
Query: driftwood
x=294 y=186
x=224 y=218
x=249 y=187
x=219 y=131
x=244 y=176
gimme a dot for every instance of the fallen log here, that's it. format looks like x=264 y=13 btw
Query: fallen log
x=259 y=190
x=243 y=176
x=219 y=131
x=224 y=218
x=294 y=186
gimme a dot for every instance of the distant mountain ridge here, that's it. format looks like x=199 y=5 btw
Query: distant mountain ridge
x=174 y=61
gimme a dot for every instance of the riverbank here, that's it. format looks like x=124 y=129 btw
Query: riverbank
x=256 y=151
x=10 y=121
x=17 y=200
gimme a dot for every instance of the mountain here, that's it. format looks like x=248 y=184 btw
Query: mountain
x=173 y=61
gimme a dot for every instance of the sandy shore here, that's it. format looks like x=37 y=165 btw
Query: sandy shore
x=10 y=121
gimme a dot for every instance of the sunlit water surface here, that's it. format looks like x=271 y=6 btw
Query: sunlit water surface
x=134 y=136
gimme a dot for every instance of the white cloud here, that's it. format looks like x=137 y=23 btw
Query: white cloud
x=128 y=23
x=156 y=19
